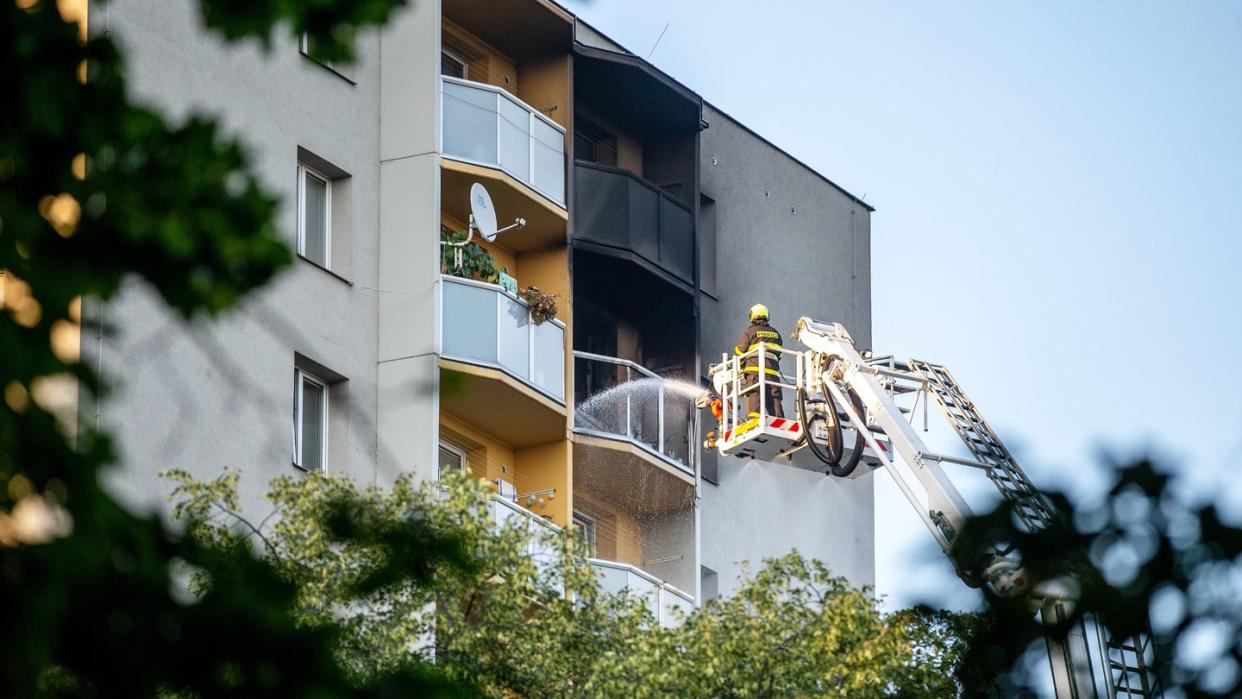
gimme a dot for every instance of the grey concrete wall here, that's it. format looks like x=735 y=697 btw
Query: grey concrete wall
x=409 y=234
x=789 y=239
x=209 y=396
x=671 y=536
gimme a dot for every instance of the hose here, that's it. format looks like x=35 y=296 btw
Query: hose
x=848 y=467
x=833 y=458
x=831 y=454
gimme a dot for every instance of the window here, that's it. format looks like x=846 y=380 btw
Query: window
x=453 y=65
x=310 y=423
x=593 y=142
x=707 y=244
x=586 y=527
x=312 y=50
x=709 y=584
x=451 y=459
x=314 y=216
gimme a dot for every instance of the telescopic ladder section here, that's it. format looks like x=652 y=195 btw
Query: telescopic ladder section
x=1128 y=662
x=986 y=446
x=1130 y=671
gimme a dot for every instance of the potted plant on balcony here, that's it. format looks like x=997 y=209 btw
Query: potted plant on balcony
x=542 y=306
x=476 y=263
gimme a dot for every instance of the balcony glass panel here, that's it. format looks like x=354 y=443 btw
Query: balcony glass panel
x=482 y=324
x=514 y=336
x=622 y=210
x=618 y=399
x=514 y=136
x=542 y=550
x=549 y=358
x=469 y=122
x=660 y=597
x=464 y=336
x=486 y=125
x=548 y=157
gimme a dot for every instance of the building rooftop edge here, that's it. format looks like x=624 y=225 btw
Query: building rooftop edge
x=858 y=200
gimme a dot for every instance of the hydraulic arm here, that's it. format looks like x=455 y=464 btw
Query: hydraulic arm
x=839 y=392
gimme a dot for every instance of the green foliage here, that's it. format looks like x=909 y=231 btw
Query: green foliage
x=96 y=191
x=330 y=23
x=476 y=262
x=512 y=624
x=1147 y=556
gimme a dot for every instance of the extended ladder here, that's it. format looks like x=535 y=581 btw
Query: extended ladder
x=1126 y=663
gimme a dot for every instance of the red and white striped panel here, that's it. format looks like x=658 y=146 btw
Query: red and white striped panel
x=781 y=423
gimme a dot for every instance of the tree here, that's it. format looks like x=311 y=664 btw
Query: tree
x=537 y=625
x=94 y=190
x=1147 y=557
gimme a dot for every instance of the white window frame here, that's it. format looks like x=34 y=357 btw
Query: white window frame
x=461 y=454
x=303 y=171
x=304 y=49
x=300 y=377
x=457 y=58
x=585 y=524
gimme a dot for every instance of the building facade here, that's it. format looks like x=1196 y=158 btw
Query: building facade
x=653 y=218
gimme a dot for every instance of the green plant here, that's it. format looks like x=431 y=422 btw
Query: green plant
x=511 y=624
x=542 y=306
x=98 y=191
x=476 y=263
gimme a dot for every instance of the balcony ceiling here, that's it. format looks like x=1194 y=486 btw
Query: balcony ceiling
x=633 y=94
x=522 y=29
x=545 y=221
x=622 y=473
x=499 y=405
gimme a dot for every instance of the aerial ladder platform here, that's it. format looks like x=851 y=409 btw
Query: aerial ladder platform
x=849 y=421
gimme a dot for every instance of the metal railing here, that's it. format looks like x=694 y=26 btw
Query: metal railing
x=483 y=324
x=619 y=399
x=486 y=125
x=738 y=389
x=661 y=597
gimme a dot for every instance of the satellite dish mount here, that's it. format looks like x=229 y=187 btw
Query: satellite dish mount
x=482 y=219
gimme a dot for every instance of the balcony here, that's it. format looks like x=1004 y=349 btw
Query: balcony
x=485 y=125
x=626 y=214
x=509 y=373
x=542 y=550
x=661 y=597
x=617 y=399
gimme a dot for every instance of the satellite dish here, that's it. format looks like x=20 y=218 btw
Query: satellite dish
x=483 y=212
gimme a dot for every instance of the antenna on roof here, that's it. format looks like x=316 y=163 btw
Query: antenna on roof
x=657 y=41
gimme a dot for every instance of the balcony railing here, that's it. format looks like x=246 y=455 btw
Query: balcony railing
x=661 y=597
x=618 y=399
x=540 y=548
x=619 y=209
x=482 y=324
x=486 y=125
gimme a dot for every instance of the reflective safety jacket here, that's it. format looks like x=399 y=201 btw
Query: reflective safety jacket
x=758 y=333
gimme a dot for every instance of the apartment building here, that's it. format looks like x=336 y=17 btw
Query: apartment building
x=653 y=218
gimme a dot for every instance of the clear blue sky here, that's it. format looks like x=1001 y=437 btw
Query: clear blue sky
x=1059 y=208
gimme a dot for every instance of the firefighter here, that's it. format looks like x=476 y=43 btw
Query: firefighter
x=761 y=332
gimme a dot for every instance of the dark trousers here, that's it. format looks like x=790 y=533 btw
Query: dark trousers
x=771 y=398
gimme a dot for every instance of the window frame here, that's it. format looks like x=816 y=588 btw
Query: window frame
x=300 y=377
x=461 y=454
x=587 y=525
x=456 y=58
x=305 y=171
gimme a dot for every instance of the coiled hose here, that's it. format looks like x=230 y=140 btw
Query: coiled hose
x=832 y=452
